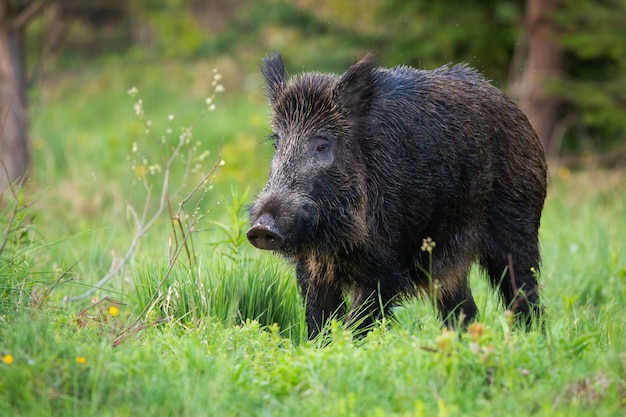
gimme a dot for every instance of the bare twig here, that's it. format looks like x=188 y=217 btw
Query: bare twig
x=136 y=328
x=28 y=14
x=520 y=296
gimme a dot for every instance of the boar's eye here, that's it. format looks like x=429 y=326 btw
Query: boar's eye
x=319 y=146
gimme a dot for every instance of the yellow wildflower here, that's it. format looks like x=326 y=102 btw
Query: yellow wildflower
x=81 y=360
x=114 y=311
x=8 y=359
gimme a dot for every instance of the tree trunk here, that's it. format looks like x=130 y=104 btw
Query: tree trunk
x=14 y=147
x=542 y=62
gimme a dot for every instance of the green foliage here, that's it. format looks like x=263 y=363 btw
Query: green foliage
x=229 y=290
x=429 y=34
x=328 y=35
x=169 y=27
x=593 y=34
x=206 y=369
x=19 y=245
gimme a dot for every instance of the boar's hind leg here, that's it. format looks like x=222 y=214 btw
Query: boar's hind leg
x=512 y=262
x=454 y=297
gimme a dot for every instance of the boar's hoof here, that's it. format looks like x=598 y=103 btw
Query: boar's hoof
x=263 y=234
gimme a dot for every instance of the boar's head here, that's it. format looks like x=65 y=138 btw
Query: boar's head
x=316 y=193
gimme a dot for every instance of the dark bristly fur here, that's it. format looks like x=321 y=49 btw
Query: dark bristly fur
x=370 y=163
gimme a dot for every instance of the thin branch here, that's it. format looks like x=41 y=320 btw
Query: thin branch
x=28 y=14
x=520 y=296
x=204 y=179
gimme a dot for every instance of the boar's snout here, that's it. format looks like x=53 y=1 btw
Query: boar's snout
x=264 y=234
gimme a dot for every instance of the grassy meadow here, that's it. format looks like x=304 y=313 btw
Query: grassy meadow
x=197 y=323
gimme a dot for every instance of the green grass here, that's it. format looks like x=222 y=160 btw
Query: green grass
x=222 y=333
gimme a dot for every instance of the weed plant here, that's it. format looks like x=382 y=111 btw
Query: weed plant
x=230 y=285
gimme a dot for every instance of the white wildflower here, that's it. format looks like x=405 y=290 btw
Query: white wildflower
x=203 y=155
x=139 y=108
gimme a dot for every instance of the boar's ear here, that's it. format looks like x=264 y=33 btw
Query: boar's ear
x=355 y=88
x=273 y=71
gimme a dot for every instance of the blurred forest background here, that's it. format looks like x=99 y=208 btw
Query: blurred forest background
x=563 y=60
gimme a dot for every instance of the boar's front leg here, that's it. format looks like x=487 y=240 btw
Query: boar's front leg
x=373 y=301
x=323 y=301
